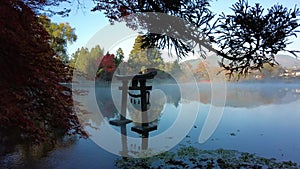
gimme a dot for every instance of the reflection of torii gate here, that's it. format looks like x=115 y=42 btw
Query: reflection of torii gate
x=138 y=82
x=125 y=152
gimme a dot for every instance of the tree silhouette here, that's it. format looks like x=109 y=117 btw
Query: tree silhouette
x=246 y=40
x=249 y=38
x=47 y=7
x=194 y=26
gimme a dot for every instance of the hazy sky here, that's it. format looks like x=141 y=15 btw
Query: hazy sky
x=87 y=23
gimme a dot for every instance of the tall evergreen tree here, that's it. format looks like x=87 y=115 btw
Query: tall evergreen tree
x=140 y=58
x=95 y=53
x=118 y=59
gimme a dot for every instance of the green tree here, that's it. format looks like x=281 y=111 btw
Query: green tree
x=84 y=60
x=176 y=68
x=119 y=58
x=95 y=53
x=81 y=59
x=141 y=58
x=73 y=58
x=60 y=35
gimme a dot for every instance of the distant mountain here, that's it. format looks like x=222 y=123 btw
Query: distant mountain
x=288 y=61
x=211 y=60
x=192 y=62
x=285 y=61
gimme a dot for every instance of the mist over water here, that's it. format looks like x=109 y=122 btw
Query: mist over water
x=260 y=118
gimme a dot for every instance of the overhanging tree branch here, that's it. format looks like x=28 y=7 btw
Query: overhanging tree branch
x=245 y=40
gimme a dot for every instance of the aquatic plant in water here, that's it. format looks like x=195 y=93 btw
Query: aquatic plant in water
x=190 y=157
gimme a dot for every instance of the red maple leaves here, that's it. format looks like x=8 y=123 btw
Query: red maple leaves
x=34 y=106
x=108 y=63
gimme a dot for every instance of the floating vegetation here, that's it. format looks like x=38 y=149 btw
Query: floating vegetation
x=232 y=134
x=190 y=157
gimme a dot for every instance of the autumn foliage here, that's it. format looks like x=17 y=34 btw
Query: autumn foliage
x=108 y=62
x=34 y=106
x=107 y=67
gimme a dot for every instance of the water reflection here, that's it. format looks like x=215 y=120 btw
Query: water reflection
x=145 y=113
x=124 y=151
x=261 y=119
x=239 y=96
x=110 y=107
x=254 y=94
x=166 y=101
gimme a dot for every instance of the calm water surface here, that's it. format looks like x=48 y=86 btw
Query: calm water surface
x=260 y=118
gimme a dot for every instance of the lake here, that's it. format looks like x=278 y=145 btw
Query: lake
x=258 y=119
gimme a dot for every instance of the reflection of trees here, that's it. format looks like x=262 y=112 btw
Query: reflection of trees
x=90 y=119
x=105 y=102
x=154 y=112
x=85 y=116
x=172 y=93
x=27 y=155
x=238 y=95
x=244 y=95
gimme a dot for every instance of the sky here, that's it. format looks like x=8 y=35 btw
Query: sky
x=87 y=24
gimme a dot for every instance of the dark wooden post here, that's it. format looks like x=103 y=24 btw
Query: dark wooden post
x=144 y=102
